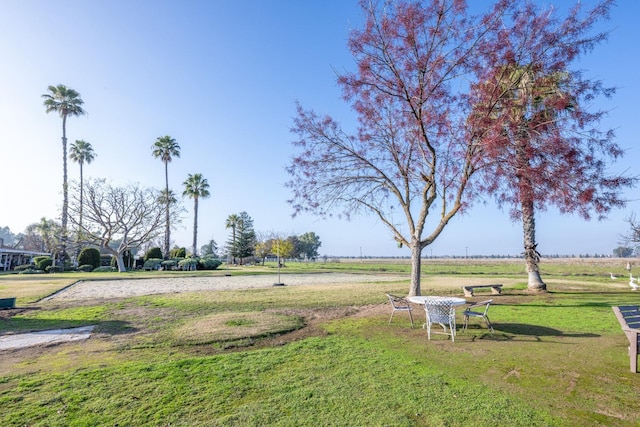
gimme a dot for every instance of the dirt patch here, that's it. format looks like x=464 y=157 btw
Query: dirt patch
x=313 y=321
x=234 y=326
x=10 y=312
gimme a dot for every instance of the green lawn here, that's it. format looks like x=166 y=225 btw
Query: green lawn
x=230 y=358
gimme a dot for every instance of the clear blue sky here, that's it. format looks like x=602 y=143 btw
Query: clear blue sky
x=221 y=77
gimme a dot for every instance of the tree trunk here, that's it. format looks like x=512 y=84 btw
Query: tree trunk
x=195 y=224
x=416 y=265
x=81 y=202
x=120 y=260
x=65 y=193
x=234 y=245
x=527 y=194
x=531 y=255
x=167 y=227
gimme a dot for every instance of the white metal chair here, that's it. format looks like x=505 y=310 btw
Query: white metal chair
x=442 y=312
x=399 y=304
x=470 y=312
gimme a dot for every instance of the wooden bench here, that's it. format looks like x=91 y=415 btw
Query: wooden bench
x=629 y=318
x=468 y=290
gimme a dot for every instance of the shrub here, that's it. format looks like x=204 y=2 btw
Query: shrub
x=89 y=256
x=178 y=253
x=42 y=262
x=25 y=267
x=209 y=264
x=31 y=271
x=86 y=268
x=152 y=264
x=153 y=253
x=188 y=264
x=169 y=264
x=105 y=269
x=53 y=269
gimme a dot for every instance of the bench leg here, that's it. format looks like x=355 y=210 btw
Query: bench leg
x=496 y=290
x=468 y=292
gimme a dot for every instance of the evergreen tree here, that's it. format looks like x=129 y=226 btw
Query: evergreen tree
x=243 y=239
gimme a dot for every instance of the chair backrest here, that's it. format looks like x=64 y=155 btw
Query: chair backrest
x=397 y=302
x=439 y=311
x=484 y=304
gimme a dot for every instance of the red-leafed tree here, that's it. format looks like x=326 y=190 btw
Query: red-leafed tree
x=441 y=102
x=540 y=132
x=412 y=153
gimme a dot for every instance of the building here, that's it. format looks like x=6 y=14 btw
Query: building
x=12 y=257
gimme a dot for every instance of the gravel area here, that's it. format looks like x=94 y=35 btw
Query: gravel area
x=134 y=287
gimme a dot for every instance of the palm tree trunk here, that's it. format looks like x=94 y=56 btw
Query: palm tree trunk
x=167 y=227
x=81 y=203
x=234 y=245
x=531 y=255
x=195 y=224
x=65 y=192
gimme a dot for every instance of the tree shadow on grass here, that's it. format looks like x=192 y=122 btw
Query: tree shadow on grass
x=18 y=325
x=514 y=331
x=591 y=304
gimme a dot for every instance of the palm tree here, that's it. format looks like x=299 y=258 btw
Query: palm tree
x=195 y=187
x=66 y=102
x=167 y=197
x=232 y=222
x=166 y=148
x=81 y=152
x=523 y=102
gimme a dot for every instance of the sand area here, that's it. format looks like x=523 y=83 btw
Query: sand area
x=97 y=289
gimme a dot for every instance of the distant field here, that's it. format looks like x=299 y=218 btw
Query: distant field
x=596 y=267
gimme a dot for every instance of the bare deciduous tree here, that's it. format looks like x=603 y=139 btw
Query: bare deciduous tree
x=129 y=216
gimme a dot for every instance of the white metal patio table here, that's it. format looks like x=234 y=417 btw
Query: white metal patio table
x=442 y=311
x=421 y=299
